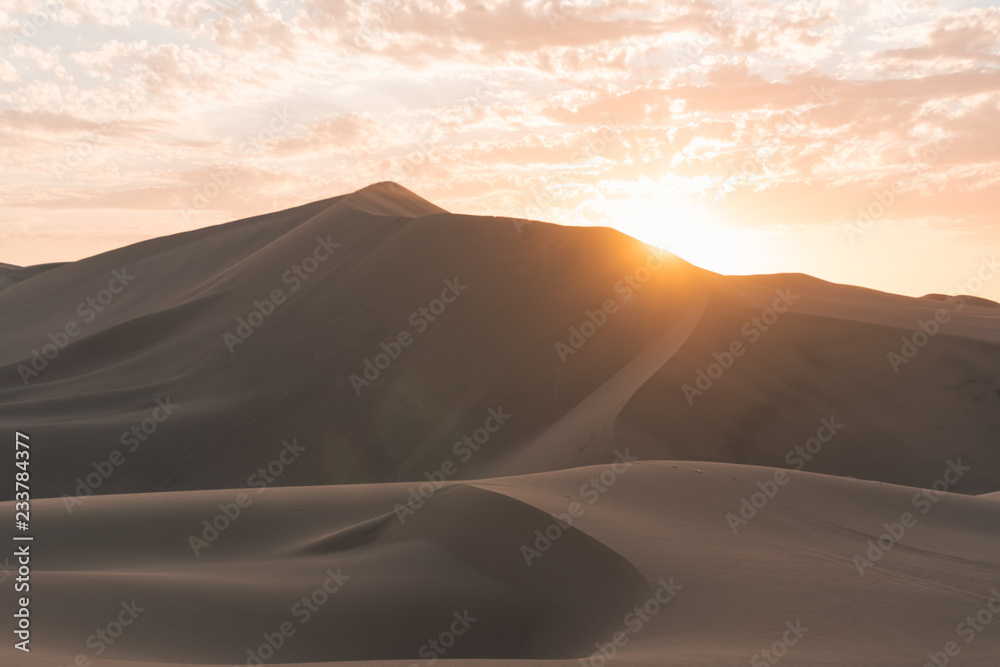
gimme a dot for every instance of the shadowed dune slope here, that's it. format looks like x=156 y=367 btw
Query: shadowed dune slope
x=12 y=275
x=971 y=300
x=385 y=339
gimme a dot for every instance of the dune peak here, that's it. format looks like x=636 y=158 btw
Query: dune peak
x=391 y=198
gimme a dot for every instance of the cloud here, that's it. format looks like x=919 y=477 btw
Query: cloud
x=789 y=114
x=972 y=35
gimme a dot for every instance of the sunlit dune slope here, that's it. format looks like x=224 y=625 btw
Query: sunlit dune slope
x=390 y=340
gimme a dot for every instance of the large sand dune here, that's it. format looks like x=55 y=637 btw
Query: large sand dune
x=371 y=394
x=175 y=331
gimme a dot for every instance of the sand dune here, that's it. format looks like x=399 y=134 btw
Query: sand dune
x=422 y=418
x=970 y=300
x=11 y=275
x=181 y=329
x=400 y=583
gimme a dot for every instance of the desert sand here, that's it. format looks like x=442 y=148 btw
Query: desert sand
x=370 y=430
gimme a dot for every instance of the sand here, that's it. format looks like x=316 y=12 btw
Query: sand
x=371 y=394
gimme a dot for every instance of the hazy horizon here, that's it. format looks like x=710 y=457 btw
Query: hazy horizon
x=745 y=138
x=968 y=288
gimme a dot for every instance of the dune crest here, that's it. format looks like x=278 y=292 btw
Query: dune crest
x=541 y=318
x=369 y=431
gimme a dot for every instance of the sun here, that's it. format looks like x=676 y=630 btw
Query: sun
x=663 y=217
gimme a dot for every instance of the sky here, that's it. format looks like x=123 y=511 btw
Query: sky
x=854 y=141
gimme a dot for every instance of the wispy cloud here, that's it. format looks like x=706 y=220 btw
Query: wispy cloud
x=765 y=116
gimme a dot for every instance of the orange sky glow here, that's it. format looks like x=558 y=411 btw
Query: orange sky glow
x=854 y=141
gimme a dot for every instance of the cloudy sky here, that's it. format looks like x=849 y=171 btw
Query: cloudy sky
x=853 y=140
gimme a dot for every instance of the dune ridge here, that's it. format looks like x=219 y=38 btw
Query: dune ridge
x=367 y=430
x=525 y=288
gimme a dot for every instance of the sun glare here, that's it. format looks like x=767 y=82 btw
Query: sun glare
x=667 y=219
